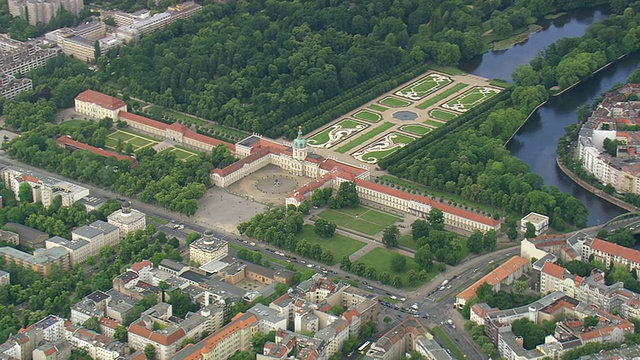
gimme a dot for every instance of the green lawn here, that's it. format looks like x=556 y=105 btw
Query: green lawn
x=377 y=107
x=377 y=155
x=75 y=124
x=139 y=142
x=322 y=138
x=120 y=135
x=443 y=95
x=407 y=241
x=394 y=102
x=470 y=98
x=156 y=220
x=362 y=219
x=338 y=245
x=365 y=137
x=380 y=259
x=181 y=154
x=446 y=69
x=368 y=116
x=435 y=124
x=425 y=86
x=442 y=115
x=448 y=343
x=416 y=129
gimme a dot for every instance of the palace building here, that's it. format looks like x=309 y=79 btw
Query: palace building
x=256 y=152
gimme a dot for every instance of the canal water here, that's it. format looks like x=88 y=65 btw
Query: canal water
x=536 y=141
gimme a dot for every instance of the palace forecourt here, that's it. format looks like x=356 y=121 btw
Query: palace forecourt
x=256 y=152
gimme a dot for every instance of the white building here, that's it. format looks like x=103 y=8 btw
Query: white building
x=99 y=234
x=539 y=221
x=98 y=105
x=208 y=248
x=127 y=219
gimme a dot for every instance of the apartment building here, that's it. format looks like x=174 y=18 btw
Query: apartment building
x=79 y=250
x=93 y=305
x=99 y=347
x=42 y=11
x=540 y=222
x=98 y=234
x=17 y=57
x=505 y=274
x=127 y=219
x=5 y=278
x=59 y=350
x=410 y=335
x=612 y=254
x=235 y=336
x=41 y=261
x=10 y=86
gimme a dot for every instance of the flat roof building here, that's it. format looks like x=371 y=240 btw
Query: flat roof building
x=41 y=261
x=208 y=248
x=540 y=222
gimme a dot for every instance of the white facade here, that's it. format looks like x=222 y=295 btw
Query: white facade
x=128 y=220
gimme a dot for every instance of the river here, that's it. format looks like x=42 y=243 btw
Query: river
x=536 y=141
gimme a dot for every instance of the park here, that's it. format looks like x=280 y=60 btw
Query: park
x=382 y=147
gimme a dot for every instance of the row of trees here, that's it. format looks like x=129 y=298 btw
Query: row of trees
x=274 y=61
x=270 y=227
x=158 y=178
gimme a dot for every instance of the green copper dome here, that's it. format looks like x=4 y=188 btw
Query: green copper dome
x=299 y=142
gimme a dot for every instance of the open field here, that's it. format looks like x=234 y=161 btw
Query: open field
x=442 y=115
x=376 y=107
x=338 y=245
x=425 y=86
x=394 y=102
x=364 y=137
x=137 y=141
x=415 y=129
x=407 y=241
x=382 y=147
x=336 y=133
x=470 y=98
x=361 y=219
x=181 y=153
x=379 y=258
x=443 y=95
x=367 y=115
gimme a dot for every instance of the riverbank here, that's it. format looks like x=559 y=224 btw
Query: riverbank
x=597 y=192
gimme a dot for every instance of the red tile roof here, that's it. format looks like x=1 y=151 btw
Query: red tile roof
x=112 y=324
x=142 y=120
x=496 y=276
x=139 y=329
x=175 y=127
x=425 y=200
x=616 y=250
x=65 y=140
x=103 y=100
x=554 y=270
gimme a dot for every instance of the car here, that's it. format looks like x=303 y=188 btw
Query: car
x=347 y=277
x=310 y=266
x=403 y=299
x=370 y=287
x=475 y=270
x=252 y=244
x=364 y=283
x=294 y=258
x=491 y=261
x=393 y=297
x=416 y=315
x=121 y=199
x=268 y=249
x=302 y=262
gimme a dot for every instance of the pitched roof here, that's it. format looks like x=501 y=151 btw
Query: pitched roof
x=616 y=250
x=66 y=140
x=498 y=275
x=139 y=329
x=142 y=120
x=141 y=265
x=103 y=100
x=554 y=270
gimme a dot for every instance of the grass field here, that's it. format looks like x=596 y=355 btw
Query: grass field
x=448 y=343
x=383 y=147
x=470 y=98
x=415 y=129
x=137 y=141
x=447 y=69
x=361 y=219
x=367 y=115
x=336 y=133
x=379 y=258
x=394 y=102
x=364 y=137
x=338 y=245
x=377 y=107
x=407 y=241
x=425 y=86
x=75 y=124
x=443 y=95
x=442 y=115
x=435 y=124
